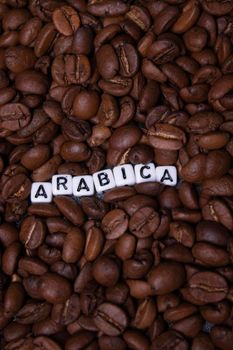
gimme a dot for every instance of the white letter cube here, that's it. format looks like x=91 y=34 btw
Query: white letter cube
x=62 y=184
x=41 y=192
x=104 y=180
x=124 y=175
x=145 y=173
x=83 y=186
x=166 y=175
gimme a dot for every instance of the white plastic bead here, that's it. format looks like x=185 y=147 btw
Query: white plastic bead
x=145 y=173
x=62 y=185
x=124 y=175
x=41 y=192
x=104 y=180
x=166 y=175
x=83 y=186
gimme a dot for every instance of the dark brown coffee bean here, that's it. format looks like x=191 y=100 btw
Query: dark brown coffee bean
x=32 y=266
x=221 y=337
x=85 y=105
x=215 y=313
x=144 y=222
x=75 y=151
x=29 y=31
x=110 y=319
x=125 y=137
x=165 y=136
x=183 y=233
x=202 y=341
x=94 y=207
x=115 y=223
x=129 y=60
x=66 y=20
x=212 y=232
x=76 y=130
x=107 y=68
x=32 y=232
x=35 y=157
x=117 y=86
x=73 y=246
x=106 y=271
x=70 y=209
x=13 y=299
x=33 y=312
x=159 y=281
x=47 y=170
x=208 y=287
x=82 y=41
x=71 y=69
x=210 y=255
x=138 y=266
x=168 y=339
x=94 y=243
x=33 y=82
x=14 y=116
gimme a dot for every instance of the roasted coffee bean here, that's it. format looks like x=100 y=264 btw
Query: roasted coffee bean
x=14 y=116
x=31 y=81
x=110 y=319
x=13 y=299
x=73 y=246
x=165 y=136
x=202 y=341
x=115 y=223
x=210 y=255
x=70 y=209
x=207 y=287
x=215 y=313
x=33 y=312
x=168 y=339
x=85 y=105
x=106 y=271
x=159 y=281
x=144 y=222
x=32 y=232
x=64 y=69
x=66 y=20
x=221 y=337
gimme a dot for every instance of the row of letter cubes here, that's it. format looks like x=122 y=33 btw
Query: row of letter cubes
x=86 y=185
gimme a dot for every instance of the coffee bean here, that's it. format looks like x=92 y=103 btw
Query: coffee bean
x=215 y=313
x=170 y=338
x=14 y=116
x=202 y=341
x=144 y=222
x=115 y=223
x=221 y=337
x=33 y=312
x=35 y=157
x=86 y=105
x=106 y=271
x=70 y=209
x=71 y=69
x=159 y=281
x=66 y=20
x=208 y=287
x=32 y=232
x=110 y=319
x=116 y=86
x=167 y=137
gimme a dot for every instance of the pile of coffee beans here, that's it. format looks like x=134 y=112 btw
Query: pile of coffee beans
x=87 y=85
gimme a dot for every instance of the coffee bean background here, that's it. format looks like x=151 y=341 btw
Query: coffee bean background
x=91 y=84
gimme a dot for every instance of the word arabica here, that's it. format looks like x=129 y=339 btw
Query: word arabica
x=86 y=185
